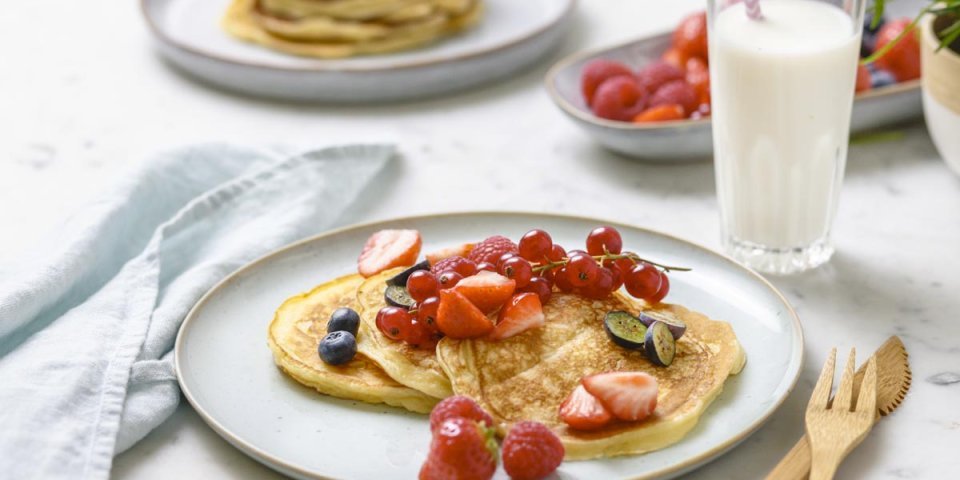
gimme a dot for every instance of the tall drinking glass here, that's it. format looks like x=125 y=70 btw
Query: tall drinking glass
x=782 y=75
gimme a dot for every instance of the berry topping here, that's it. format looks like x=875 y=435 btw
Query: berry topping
x=449 y=279
x=422 y=285
x=387 y=249
x=619 y=98
x=602 y=286
x=655 y=75
x=485 y=266
x=582 y=411
x=661 y=113
x=344 y=320
x=394 y=322
x=535 y=245
x=602 y=240
x=491 y=249
x=458 y=318
x=643 y=281
x=488 y=291
x=630 y=396
x=427 y=312
x=582 y=270
x=523 y=312
x=460 y=265
x=690 y=37
x=540 y=286
x=337 y=348
x=518 y=269
x=677 y=92
x=661 y=292
x=557 y=253
x=598 y=71
x=443 y=254
x=421 y=335
x=458 y=406
x=462 y=450
x=531 y=451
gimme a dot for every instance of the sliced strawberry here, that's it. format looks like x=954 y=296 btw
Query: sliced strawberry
x=582 y=411
x=387 y=249
x=487 y=290
x=445 y=253
x=458 y=318
x=520 y=314
x=629 y=396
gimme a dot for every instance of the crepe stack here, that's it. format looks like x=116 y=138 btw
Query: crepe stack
x=346 y=28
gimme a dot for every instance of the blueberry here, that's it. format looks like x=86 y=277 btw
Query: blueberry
x=344 y=320
x=337 y=348
x=881 y=78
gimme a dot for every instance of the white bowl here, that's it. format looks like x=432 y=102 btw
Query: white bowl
x=941 y=95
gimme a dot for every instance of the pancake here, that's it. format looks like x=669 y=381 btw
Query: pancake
x=329 y=36
x=528 y=376
x=414 y=367
x=295 y=332
x=356 y=9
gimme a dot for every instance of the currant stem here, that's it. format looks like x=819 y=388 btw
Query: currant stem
x=609 y=256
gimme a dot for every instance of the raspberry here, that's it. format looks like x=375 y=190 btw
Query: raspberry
x=619 y=98
x=531 y=451
x=461 y=449
x=658 y=73
x=491 y=249
x=460 y=265
x=679 y=92
x=598 y=71
x=458 y=406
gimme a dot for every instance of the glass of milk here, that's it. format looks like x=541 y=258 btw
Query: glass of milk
x=782 y=76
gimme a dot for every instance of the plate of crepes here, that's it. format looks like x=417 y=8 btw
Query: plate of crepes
x=354 y=51
x=489 y=345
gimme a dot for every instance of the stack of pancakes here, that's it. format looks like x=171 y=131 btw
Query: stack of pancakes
x=344 y=28
x=524 y=377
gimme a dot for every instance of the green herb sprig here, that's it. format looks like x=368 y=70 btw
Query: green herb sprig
x=939 y=8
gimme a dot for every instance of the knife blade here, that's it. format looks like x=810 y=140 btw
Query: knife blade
x=893 y=381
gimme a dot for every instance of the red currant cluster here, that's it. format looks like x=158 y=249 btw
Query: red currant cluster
x=416 y=326
x=595 y=273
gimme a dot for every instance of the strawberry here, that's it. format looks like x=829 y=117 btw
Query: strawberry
x=461 y=449
x=457 y=264
x=487 y=290
x=531 y=451
x=387 y=249
x=679 y=92
x=598 y=71
x=491 y=249
x=458 y=406
x=619 y=98
x=629 y=396
x=520 y=314
x=698 y=76
x=660 y=113
x=445 y=253
x=863 y=78
x=690 y=37
x=903 y=59
x=655 y=74
x=675 y=57
x=582 y=411
x=458 y=318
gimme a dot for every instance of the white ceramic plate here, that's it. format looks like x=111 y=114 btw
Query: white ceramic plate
x=512 y=35
x=227 y=372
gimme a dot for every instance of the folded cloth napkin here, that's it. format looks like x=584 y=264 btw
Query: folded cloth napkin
x=88 y=324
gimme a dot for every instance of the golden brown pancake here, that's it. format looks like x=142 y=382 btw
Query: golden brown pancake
x=528 y=376
x=358 y=10
x=414 y=367
x=295 y=333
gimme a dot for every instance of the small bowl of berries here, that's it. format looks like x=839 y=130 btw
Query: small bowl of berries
x=650 y=98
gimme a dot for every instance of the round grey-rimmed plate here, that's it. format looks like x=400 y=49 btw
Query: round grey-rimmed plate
x=692 y=140
x=227 y=372
x=511 y=36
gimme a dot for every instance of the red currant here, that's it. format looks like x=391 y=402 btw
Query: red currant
x=504 y=258
x=541 y=287
x=486 y=266
x=562 y=281
x=427 y=311
x=557 y=253
x=535 y=245
x=604 y=240
x=571 y=253
x=643 y=280
x=422 y=285
x=618 y=276
x=602 y=287
x=518 y=269
x=449 y=279
x=394 y=322
x=661 y=292
x=582 y=270
x=419 y=335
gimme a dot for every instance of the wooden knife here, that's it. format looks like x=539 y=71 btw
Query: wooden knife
x=893 y=381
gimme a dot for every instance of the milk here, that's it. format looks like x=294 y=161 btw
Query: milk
x=782 y=93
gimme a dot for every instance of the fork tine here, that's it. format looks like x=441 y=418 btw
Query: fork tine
x=821 y=392
x=844 y=396
x=867 y=401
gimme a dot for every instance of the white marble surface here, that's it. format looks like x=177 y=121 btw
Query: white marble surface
x=84 y=96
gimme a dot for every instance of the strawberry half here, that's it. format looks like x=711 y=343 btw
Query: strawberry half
x=487 y=290
x=520 y=314
x=458 y=318
x=583 y=411
x=630 y=396
x=445 y=253
x=387 y=249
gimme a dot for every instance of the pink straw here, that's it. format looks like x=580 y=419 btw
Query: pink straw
x=753 y=9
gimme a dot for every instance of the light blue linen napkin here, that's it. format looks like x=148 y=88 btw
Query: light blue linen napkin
x=87 y=324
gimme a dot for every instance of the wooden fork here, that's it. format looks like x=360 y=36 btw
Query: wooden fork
x=834 y=429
